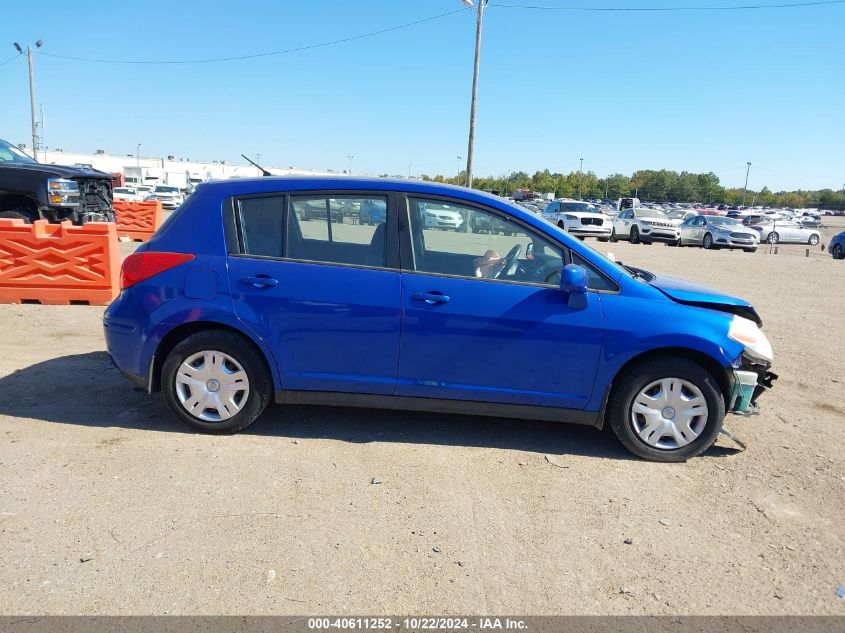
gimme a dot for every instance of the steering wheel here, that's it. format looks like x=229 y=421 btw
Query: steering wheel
x=508 y=261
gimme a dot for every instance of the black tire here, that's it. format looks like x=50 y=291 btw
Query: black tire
x=603 y=239
x=677 y=242
x=21 y=214
x=814 y=239
x=707 y=241
x=750 y=250
x=634 y=236
x=773 y=238
x=613 y=237
x=628 y=385
x=561 y=225
x=837 y=251
x=242 y=350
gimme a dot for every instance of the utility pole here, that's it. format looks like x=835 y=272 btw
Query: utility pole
x=409 y=170
x=745 y=191
x=138 y=155
x=38 y=44
x=580 y=178
x=458 y=175
x=471 y=143
x=350 y=157
x=606 y=187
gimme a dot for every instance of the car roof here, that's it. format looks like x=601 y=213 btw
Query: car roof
x=241 y=186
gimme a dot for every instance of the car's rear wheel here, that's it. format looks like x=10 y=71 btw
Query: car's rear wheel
x=750 y=250
x=216 y=381
x=814 y=239
x=635 y=235
x=837 y=251
x=773 y=238
x=707 y=242
x=666 y=409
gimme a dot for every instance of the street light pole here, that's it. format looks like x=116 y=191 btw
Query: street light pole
x=471 y=143
x=38 y=44
x=458 y=175
x=745 y=191
x=138 y=155
x=580 y=177
x=409 y=170
x=350 y=157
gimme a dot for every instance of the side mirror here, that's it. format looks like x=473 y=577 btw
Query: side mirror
x=574 y=281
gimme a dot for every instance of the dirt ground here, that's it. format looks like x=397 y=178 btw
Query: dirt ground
x=107 y=505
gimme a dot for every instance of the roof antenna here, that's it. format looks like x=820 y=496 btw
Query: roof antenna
x=264 y=172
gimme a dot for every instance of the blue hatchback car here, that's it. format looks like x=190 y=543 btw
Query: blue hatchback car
x=837 y=246
x=237 y=301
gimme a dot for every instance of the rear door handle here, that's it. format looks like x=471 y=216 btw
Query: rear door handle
x=431 y=298
x=260 y=281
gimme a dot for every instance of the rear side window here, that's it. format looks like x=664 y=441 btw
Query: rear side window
x=261 y=222
x=338 y=230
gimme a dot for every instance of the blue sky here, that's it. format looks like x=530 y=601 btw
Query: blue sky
x=678 y=90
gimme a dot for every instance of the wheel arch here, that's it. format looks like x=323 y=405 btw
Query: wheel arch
x=181 y=332
x=719 y=372
x=19 y=202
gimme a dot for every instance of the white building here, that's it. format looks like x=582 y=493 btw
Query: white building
x=169 y=170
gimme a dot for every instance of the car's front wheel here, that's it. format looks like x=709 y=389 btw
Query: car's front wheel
x=773 y=238
x=707 y=242
x=667 y=409
x=837 y=252
x=814 y=239
x=635 y=235
x=216 y=381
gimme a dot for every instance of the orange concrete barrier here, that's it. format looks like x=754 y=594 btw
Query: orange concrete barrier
x=137 y=220
x=58 y=264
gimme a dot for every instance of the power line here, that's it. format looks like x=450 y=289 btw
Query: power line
x=257 y=55
x=11 y=59
x=746 y=7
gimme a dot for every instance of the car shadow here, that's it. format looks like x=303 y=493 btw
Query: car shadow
x=86 y=390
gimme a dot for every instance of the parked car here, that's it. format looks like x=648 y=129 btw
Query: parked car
x=645 y=225
x=31 y=191
x=169 y=196
x=235 y=302
x=372 y=212
x=716 y=231
x=129 y=194
x=582 y=219
x=485 y=223
x=776 y=231
x=442 y=216
x=837 y=246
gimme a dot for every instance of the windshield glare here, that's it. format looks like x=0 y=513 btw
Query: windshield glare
x=719 y=219
x=11 y=154
x=161 y=189
x=651 y=213
x=581 y=207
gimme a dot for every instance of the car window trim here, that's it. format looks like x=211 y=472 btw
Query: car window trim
x=406 y=245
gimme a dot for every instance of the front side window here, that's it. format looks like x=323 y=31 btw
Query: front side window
x=339 y=230
x=452 y=239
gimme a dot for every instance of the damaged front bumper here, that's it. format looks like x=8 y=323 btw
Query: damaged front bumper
x=751 y=379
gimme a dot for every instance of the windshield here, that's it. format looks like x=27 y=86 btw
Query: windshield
x=642 y=212
x=719 y=219
x=582 y=207
x=678 y=215
x=162 y=189
x=11 y=154
x=123 y=190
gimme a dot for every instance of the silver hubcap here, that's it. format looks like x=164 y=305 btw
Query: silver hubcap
x=212 y=386
x=669 y=413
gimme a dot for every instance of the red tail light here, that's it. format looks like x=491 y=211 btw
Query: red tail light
x=140 y=266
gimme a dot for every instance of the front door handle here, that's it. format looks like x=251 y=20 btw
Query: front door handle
x=431 y=298
x=260 y=281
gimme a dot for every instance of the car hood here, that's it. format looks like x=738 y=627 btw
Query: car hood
x=63 y=172
x=689 y=293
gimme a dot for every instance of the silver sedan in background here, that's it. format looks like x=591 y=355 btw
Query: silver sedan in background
x=774 y=231
x=717 y=231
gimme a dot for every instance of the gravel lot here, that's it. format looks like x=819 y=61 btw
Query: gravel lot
x=109 y=506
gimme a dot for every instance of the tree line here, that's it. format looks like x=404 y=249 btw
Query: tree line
x=647 y=184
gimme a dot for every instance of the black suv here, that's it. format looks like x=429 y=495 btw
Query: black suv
x=32 y=191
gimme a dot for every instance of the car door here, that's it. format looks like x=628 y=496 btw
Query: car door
x=484 y=318
x=322 y=292
x=622 y=224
